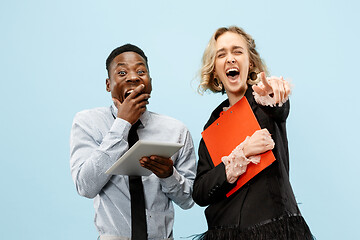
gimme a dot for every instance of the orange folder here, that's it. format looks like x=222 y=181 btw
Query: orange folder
x=228 y=131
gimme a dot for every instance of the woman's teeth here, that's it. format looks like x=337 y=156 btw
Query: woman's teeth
x=231 y=69
x=232 y=72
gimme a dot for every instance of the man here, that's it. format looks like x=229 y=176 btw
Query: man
x=100 y=136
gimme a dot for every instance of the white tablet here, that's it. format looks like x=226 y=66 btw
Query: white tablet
x=128 y=164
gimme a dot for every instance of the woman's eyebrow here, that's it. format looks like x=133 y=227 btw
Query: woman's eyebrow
x=233 y=48
x=237 y=47
x=220 y=50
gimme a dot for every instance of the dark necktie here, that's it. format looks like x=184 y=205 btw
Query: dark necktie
x=138 y=215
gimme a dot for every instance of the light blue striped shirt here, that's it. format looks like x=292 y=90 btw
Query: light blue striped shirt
x=98 y=140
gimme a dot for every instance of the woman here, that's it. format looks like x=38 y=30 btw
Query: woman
x=265 y=207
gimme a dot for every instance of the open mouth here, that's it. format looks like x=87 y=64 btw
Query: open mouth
x=232 y=73
x=128 y=93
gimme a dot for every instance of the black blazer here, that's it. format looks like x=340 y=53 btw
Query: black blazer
x=267 y=196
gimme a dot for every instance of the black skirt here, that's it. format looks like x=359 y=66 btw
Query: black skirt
x=283 y=228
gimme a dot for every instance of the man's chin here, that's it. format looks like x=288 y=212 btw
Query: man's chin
x=120 y=99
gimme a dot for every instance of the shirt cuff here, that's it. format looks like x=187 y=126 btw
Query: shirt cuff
x=121 y=126
x=170 y=183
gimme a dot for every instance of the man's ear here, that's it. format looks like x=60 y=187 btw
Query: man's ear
x=108 y=85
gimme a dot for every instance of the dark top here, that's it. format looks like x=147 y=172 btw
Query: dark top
x=266 y=197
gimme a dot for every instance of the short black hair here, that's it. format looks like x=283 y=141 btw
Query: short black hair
x=125 y=48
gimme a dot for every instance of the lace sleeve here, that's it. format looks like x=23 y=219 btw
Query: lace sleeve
x=236 y=163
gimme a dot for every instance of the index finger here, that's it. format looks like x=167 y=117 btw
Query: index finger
x=136 y=91
x=264 y=81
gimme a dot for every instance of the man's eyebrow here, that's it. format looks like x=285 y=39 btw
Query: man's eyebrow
x=125 y=64
x=121 y=64
x=140 y=64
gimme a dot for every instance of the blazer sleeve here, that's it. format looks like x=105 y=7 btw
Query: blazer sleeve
x=210 y=184
x=278 y=114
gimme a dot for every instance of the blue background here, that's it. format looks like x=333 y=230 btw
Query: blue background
x=52 y=65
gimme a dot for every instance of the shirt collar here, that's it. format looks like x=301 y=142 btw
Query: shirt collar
x=144 y=118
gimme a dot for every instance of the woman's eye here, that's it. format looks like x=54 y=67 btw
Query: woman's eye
x=121 y=73
x=140 y=72
x=220 y=55
x=238 y=52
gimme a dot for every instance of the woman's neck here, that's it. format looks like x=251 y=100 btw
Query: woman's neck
x=234 y=98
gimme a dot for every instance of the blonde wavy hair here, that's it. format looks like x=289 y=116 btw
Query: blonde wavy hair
x=208 y=81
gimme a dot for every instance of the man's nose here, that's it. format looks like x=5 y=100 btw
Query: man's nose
x=133 y=77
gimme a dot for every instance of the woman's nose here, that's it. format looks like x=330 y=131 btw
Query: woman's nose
x=231 y=60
